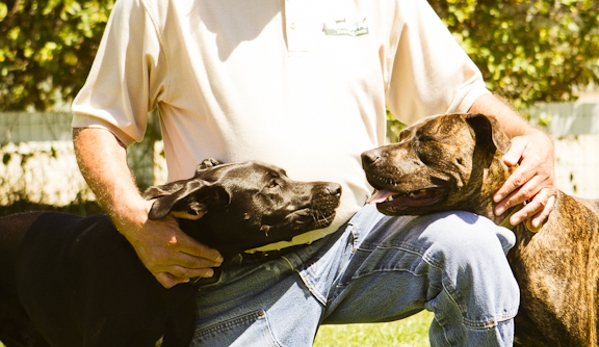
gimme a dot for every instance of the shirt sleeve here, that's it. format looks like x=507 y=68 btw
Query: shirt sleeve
x=126 y=78
x=431 y=73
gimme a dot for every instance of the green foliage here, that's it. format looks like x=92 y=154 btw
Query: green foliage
x=46 y=49
x=394 y=127
x=528 y=51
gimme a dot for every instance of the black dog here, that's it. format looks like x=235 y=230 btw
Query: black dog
x=81 y=283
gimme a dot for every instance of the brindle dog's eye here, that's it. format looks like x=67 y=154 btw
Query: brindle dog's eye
x=273 y=184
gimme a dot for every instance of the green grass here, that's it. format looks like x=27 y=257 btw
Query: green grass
x=409 y=332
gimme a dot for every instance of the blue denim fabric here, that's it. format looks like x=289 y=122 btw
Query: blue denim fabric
x=376 y=268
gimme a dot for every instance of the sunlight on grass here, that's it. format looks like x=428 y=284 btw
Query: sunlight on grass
x=409 y=332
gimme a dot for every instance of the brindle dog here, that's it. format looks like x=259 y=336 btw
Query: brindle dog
x=454 y=162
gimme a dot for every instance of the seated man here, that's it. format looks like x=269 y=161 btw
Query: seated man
x=305 y=86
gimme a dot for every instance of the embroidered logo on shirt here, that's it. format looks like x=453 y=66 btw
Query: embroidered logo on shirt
x=343 y=28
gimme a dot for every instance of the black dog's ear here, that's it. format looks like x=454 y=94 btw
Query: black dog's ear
x=488 y=133
x=207 y=164
x=162 y=190
x=189 y=200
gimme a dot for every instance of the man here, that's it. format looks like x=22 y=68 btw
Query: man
x=305 y=85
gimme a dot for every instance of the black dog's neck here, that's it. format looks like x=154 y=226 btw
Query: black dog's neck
x=202 y=232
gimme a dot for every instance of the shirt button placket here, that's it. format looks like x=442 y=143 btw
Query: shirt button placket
x=295 y=39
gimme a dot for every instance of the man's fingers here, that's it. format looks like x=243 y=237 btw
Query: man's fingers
x=184 y=261
x=536 y=222
x=177 y=274
x=518 y=189
x=535 y=211
x=168 y=281
x=183 y=243
x=521 y=183
x=532 y=182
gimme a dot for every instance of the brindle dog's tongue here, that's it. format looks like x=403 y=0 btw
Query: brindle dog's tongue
x=379 y=196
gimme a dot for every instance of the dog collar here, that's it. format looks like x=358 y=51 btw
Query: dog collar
x=506 y=221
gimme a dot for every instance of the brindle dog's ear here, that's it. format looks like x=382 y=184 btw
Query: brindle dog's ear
x=189 y=200
x=488 y=133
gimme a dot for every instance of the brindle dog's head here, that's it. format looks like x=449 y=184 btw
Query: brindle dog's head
x=442 y=163
x=238 y=206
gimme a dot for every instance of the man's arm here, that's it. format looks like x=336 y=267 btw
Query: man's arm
x=534 y=179
x=167 y=252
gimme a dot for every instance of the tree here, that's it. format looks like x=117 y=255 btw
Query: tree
x=528 y=50
x=46 y=49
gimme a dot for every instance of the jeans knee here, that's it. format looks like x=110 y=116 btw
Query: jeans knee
x=465 y=240
x=465 y=235
x=475 y=275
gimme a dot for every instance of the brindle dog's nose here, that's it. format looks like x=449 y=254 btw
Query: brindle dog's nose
x=370 y=157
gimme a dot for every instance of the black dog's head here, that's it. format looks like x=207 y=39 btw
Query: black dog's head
x=237 y=206
x=442 y=163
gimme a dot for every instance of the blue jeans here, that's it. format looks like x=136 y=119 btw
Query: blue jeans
x=376 y=268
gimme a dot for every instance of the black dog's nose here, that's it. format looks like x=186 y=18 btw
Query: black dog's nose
x=370 y=157
x=334 y=189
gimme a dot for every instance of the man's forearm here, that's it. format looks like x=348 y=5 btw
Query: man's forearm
x=102 y=160
x=511 y=122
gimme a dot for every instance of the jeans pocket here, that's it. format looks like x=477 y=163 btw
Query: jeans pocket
x=252 y=326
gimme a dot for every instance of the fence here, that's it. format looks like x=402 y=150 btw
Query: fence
x=38 y=163
x=575 y=130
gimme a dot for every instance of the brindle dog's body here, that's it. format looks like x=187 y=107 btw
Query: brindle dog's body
x=453 y=162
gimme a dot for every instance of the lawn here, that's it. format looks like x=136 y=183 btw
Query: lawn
x=410 y=332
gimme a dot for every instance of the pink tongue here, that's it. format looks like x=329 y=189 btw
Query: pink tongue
x=379 y=196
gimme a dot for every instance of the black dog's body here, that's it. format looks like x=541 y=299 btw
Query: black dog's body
x=16 y=329
x=81 y=282
x=454 y=162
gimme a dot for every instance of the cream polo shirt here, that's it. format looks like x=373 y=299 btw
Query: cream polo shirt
x=302 y=84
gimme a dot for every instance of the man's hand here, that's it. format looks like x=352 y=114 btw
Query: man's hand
x=533 y=181
x=171 y=255
x=167 y=252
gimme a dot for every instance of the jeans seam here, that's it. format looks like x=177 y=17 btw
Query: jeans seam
x=490 y=323
x=305 y=278
x=220 y=326
x=271 y=330
x=417 y=251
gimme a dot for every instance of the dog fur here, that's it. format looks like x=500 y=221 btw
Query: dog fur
x=67 y=281
x=454 y=162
